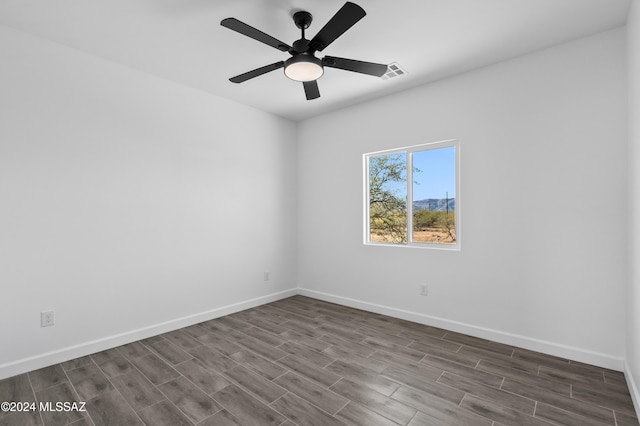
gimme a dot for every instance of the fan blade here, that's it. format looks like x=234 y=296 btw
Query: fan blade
x=311 y=89
x=257 y=72
x=344 y=19
x=362 y=67
x=249 y=31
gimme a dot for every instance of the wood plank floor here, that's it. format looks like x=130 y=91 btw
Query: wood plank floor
x=301 y=361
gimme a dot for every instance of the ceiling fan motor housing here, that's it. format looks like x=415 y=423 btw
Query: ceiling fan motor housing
x=300 y=46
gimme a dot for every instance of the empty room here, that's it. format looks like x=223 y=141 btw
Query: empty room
x=288 y=212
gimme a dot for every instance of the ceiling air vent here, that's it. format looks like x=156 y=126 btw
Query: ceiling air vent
x=393 y=70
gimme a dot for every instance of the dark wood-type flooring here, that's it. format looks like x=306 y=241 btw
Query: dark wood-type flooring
x=301 y=361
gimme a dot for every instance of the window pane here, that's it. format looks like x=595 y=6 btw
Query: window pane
x=388 y=198
x=434 y=196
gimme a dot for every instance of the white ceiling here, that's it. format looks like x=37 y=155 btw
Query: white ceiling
x=182 y=40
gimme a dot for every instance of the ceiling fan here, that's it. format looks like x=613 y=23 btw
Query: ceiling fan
x=303 y=65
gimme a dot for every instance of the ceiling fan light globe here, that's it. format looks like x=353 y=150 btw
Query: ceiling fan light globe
x=303 y=68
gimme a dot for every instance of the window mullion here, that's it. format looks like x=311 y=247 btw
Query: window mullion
x=409 y=162
x=367 y=202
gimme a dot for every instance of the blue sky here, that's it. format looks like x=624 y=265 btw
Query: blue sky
x=437 y=176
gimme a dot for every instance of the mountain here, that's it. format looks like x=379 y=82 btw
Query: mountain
x=437 y=204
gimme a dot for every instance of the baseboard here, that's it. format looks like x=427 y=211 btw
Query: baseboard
x=87 y=348
x=65 y=354
x=564 y=351
x=633 y=387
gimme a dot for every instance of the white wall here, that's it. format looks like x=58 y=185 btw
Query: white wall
x=543 y=153
x=633 y=309
x=130 y=205
x=127 y=197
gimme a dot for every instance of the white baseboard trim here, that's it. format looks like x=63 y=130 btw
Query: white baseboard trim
x=556 y=349
x=65 y=354
x=633 y=387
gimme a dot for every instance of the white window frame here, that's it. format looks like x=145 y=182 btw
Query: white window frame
x=409 y=150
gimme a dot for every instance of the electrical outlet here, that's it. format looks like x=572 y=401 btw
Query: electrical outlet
x=424 y=290
x=266 y=275
x=47 y=318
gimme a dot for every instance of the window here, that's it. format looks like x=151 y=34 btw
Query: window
x=412 y=196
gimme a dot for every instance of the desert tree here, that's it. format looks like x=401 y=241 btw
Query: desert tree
x=387 y=205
